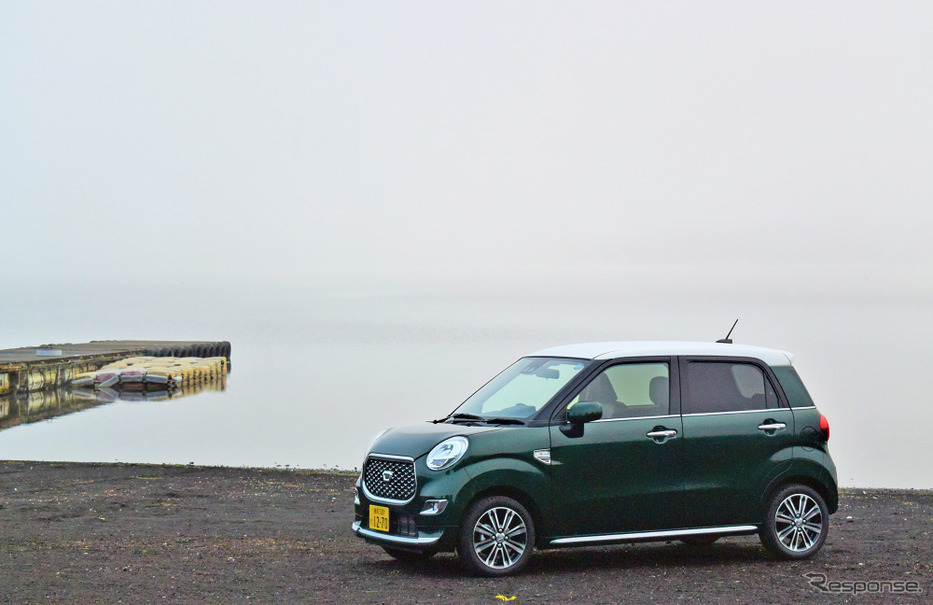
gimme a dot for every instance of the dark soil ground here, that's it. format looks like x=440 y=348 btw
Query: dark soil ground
x=83 y=533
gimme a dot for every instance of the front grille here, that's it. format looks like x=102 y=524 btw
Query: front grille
x=401 y=475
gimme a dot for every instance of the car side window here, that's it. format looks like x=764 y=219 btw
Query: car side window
x=630 y=390
x=715 y=386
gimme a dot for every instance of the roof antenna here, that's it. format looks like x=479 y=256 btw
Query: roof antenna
x=727 y=340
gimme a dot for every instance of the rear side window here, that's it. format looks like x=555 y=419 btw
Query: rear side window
x=797 y=394
x=716 y=386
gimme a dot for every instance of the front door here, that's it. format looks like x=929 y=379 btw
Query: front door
x=623 y=473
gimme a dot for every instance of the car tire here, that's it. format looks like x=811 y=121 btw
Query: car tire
x=700 y=540
x=497 y=537
x=796 y=523
x=407 y=555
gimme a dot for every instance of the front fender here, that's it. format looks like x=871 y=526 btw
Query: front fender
x=524 y=480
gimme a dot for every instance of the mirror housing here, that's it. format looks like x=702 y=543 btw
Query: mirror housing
x=584 y=411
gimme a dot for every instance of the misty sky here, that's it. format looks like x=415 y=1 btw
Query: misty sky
x=460 y=183
x=292 y=139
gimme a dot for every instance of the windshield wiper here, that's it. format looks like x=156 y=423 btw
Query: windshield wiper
x=503 y=421
x=470 y=417
x=462 y=416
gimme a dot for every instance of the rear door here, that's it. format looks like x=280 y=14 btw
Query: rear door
x=737 y=437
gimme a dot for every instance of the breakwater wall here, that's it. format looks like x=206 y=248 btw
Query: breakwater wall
x=30 y=369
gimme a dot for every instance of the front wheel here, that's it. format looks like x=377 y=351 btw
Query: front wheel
x=497 y=537
x=796 y=523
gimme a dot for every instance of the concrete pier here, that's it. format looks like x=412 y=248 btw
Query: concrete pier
x=29 y=369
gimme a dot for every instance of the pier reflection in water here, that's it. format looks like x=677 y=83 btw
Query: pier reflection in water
x=34 y=406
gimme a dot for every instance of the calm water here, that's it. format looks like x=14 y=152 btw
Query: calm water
x=317 y=371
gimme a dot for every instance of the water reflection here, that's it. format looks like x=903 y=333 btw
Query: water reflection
x=34 y=406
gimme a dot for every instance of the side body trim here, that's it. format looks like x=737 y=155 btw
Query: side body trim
x=648 y=535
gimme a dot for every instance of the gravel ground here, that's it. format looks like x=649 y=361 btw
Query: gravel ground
x=114 y=533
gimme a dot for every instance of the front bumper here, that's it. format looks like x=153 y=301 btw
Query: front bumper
x=408 y=529
x=422 y=540
x=416 y=525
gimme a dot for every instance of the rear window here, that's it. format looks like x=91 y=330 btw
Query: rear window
x=797 y=394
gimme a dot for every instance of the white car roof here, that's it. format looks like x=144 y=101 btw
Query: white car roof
x=614 y=350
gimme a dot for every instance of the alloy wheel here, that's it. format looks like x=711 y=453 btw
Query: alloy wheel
x=500 y=537
x=798 y=522
x=497 y=537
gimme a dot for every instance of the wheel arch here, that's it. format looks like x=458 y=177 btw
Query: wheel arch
x=520 y=496
x=830 y=495
x=516 y=478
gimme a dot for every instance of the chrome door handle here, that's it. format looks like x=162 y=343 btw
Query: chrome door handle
x=772 y=426
x=661 y=435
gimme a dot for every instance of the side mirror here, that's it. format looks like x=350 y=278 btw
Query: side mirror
x=584 y=411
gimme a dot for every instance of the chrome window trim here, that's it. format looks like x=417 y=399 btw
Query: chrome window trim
x=781 y=409
x=741 y=412
x=668 y=533
x=636 y=418
x=423 y=539
x=371 y=497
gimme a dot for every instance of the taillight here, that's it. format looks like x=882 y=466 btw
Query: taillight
x=824 y=427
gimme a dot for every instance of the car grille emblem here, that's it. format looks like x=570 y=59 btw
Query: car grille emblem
x=387 y=475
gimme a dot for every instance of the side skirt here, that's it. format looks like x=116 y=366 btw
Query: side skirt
x=732 y=530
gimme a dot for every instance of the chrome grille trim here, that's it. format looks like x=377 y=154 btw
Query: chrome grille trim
x=400 y=490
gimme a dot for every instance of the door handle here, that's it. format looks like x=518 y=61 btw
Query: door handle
x=660 y=434
x=771 y=427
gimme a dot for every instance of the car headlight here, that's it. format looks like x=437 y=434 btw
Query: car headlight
x=446 y=453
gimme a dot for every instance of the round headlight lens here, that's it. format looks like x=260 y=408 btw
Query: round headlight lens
x=446 y=453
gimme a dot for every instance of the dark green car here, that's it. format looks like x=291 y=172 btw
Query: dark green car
x=605 y=443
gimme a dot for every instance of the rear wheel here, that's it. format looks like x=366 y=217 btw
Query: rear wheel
x=407 y=555
x=796 y=523
x=497 y=537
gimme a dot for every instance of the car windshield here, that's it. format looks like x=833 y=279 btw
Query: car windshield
x=522 y=389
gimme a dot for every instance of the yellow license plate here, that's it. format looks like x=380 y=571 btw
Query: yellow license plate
x=378 y=518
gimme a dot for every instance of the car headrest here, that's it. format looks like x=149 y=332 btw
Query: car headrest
x=659 y=390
